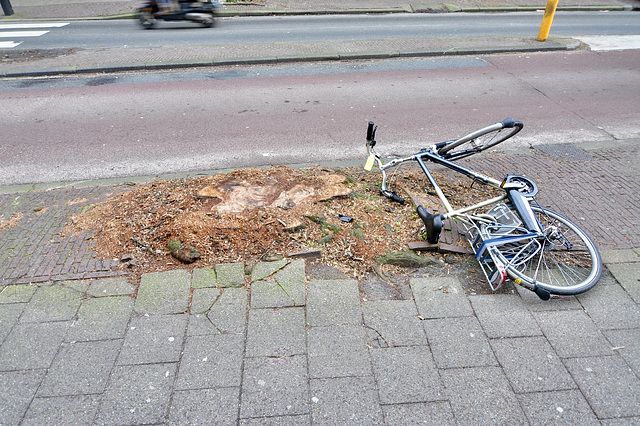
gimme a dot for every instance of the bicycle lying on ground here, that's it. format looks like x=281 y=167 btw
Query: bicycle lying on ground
x=512 y=236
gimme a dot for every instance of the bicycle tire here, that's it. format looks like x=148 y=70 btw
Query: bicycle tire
x=482 y=141
x=567 y=261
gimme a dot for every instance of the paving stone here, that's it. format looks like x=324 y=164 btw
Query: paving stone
x=164 y=292
x=627 y=275
x=274 y=387
x=482 y=395
x=610 y=307
x=610 y=386
x=101 y=318
x=21 y=293
x=566 y=407
x=230 y=274
x=137 y=394
x=302 y=419
x=531 y=364
x=338 y=351
x=79 y=368
x=112 y=286
x=17 y=389
x=204 y=277
x=441 y=297
x=572 y=334
x=262 y=270
x=63 y=410
x=406 y=374
x=211 y=361
x=458 y=342
x=9 y=315
x=610 y=257
x=293 y=281
x=229 y=313
x=32 y=345
x=504 y=315
x=333 y=302
x=202 y=299
x=393 y=323
x=205 y=407
x=52 y=303
x=422 y=413
x=627 y=344
x=348 y=400
x=153 y=338
x=276 y=332
x=269 y=294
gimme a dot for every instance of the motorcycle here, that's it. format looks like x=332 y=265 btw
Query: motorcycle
x=202 y=12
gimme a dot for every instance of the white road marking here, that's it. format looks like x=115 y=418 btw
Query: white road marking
x=8 y=44
x=611 y=42
x=19 y=34
x=32 y=25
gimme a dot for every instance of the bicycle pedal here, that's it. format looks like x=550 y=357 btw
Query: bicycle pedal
x=433 y=223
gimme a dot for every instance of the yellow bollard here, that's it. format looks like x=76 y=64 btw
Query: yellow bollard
x=547 y=19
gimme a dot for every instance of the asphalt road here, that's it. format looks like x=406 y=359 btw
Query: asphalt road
x=101 y=131
x=243 y=30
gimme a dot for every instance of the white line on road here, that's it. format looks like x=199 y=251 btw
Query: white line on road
x=18 y=34
x=8 y=44
x=32 y=25
x=611 y=42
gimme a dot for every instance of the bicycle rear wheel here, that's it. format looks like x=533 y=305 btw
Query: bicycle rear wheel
x=480 y=141
x=564 y=262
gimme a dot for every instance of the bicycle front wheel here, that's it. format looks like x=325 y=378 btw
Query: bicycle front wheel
x=479 y=141
x=564 y=262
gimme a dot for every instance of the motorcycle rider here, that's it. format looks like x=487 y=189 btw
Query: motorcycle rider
x=167 y=6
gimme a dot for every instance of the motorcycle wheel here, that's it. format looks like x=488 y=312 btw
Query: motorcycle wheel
x=147 y=20
x=208 y=22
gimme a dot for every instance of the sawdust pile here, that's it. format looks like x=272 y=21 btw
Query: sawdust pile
x=262 y=214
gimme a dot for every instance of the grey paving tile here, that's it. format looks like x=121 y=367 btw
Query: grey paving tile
x=62 y=410
x=32 y=345
x=348 y=400
x=229 y=313
x=338 y=351
x=211 y=361
x=627 y=275
x=17 y=389
x=276 y=332
x=80 y=368
x=531 y=364
x=627 y=344
x=202 y=299
x=230 y=274
x=440 y=297
x=482 y=395
x=406 y=374
x=293 y=280
x=203 y=277
x=101 y=318
x=21 y=293
x=610 y=257
x=610 y=307
x=333 y=302
x=567 y=407
x=52 y=303
x=113 y=286
x=205 y=407
x=504 y=315
x=610 y=386
x=274 y=387
x=153 y=338
x=137 y=394
x=393 y=323
x=262 y=270
x=572 y=334
x=9 y=315
x=163 y=292
x=269 y=294
x=458 y=342
x=627 y=421
x=302 y=419
x=422 y=413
